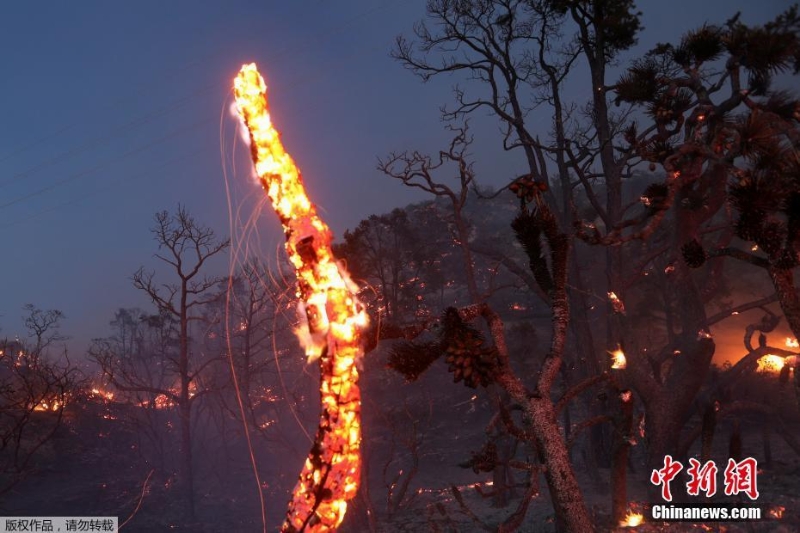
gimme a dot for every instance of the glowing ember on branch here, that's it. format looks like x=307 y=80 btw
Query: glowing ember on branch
x=616 y=303
x=618 y=360
x=331 y=333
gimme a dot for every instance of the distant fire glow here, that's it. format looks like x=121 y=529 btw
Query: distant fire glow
x=103 y=394
x=770 y=363
x=333 y=321
x=45 y=405
x=777 y=512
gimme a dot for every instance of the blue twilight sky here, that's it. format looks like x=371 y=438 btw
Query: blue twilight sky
x=111 y=111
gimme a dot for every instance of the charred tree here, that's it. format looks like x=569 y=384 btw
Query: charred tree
x=478 y=362
x=185 y=246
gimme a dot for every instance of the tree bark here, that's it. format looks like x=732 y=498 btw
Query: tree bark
x=570 y=508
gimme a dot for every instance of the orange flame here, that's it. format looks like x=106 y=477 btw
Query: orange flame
x=335 y=318
x=44 y=405
x=102 y=394
x=792 y=343
x=618 y=360
x=632 y=519
x=770 y=363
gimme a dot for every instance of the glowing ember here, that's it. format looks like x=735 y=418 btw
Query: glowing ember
x=770 y=363
x=331 y=331
x=792 y=343
x=632 y=519
x=55 y=405
x=102 y=394
x=704 y=334
x=618 y=360
x=161 y=401
x=616 y=303
x=777 y=512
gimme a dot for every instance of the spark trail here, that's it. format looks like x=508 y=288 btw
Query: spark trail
x=330 y=475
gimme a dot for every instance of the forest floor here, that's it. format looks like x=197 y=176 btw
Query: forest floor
x=437 y=510
x=93 y=468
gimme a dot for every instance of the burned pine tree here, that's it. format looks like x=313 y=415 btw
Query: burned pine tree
x=667 y=113
x=722 y=138
x=385 y=252
x=478 y=362
x=518 y=57
x=517 y=60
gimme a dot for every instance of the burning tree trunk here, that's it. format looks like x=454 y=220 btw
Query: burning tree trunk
x=335 y=318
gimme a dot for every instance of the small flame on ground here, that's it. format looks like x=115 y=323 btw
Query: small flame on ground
x=777 y=512
x=48 y=406
x=632 y=519
x=103 y=394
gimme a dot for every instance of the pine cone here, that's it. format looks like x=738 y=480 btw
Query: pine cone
x=693 y=254
x=466 y=356
x=654 y=196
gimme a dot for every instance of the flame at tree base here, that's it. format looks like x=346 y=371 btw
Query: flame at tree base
x=331 y=472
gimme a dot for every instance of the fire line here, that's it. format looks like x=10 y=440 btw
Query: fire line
x=330 y=475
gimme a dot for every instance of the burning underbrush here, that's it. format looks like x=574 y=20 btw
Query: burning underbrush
x=423 y=446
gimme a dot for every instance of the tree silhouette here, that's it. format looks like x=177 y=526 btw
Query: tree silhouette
x=35 y=388
x=186 y=246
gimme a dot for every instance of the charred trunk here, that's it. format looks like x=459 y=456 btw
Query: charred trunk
x=570 y=509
